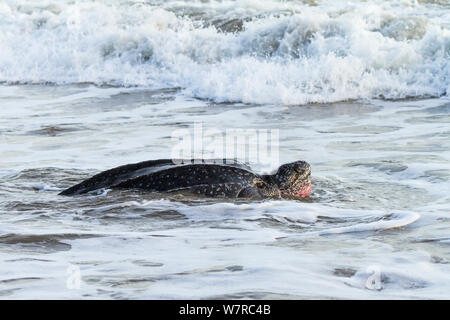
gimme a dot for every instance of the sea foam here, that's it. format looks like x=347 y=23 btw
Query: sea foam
x=249 y=51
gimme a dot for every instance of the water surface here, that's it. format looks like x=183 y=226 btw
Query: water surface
x=357 y=89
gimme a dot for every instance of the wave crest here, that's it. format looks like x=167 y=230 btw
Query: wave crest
x=268 y=53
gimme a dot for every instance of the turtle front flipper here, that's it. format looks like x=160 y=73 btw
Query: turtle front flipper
x=249 y=192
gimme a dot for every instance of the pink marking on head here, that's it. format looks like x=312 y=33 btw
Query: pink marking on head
x=305 y=191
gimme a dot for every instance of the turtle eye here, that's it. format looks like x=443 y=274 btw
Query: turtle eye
x=302 y=173
x=301 y=170
x=259 y=183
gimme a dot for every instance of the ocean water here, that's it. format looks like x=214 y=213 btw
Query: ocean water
x=359 y=89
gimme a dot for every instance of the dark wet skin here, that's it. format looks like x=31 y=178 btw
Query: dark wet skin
x=218 y=178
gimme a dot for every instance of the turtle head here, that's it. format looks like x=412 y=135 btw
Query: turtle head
x=293 y=179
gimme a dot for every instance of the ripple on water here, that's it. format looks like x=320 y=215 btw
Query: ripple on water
x=387 y=166
x=39 y=243
x=367 y=129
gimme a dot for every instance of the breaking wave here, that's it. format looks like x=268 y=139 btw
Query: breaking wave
x=283 y=52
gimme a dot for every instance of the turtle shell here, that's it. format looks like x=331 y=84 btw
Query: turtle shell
x=216 y=178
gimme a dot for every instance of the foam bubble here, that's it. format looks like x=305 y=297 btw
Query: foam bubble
x=396 y=220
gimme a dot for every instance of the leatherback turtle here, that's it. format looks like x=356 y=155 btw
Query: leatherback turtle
x=212 y=178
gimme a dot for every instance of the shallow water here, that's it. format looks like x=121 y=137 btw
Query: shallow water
x=380 y=204
x=376 y=165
